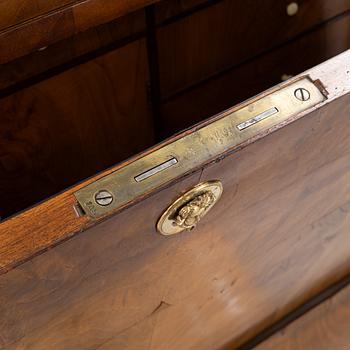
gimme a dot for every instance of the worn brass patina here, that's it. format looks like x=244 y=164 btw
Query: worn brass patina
x=192 y=151
x=189 y=209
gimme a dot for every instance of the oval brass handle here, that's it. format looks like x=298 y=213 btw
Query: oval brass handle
x=187 y=210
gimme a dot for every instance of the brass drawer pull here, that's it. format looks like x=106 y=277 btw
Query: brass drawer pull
x=187 y=210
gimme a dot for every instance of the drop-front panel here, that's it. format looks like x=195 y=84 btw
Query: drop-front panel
x=282 y=221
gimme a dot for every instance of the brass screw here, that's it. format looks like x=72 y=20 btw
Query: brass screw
x=103 y=198
x=302 y=94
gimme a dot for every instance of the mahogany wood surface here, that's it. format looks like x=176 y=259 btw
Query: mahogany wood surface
x=67 y=128
x=37 y=229
x=89 y=43
x=26 y=25
x=288 y=214
x=229 y=33
x=246 y=80
x=31 y=26
x=25 y=168
x=17 y=11
x=167 y=10
x=323 y=328
x=279 y=234
x=283 y=215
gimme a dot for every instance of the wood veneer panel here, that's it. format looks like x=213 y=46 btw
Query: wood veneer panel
x=25 y=37
x=16 y=11
x=110 y=258
x=89 y=43
x=267 y=246
x=230 y=32
x=258 y=74
x=27 y=234
x=69 y=127
x=286 y=206
x=323 y=328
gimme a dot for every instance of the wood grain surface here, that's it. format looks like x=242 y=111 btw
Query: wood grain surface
x=323 y=328
x=265 y=248
x=229 y=33
x=246 y=80
x=167 y=10
x=285 y=204
x=88 y=43
x=37 y=229
x=33 y=33
x=67 y=128
x=17 y=11
x=277 y=237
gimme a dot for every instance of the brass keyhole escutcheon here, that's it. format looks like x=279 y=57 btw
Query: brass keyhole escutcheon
x=188 y=210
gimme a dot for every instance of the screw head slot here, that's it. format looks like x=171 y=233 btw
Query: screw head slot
x=103 y=198
x=302 y=94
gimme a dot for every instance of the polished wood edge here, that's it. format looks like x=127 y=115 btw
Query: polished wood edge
x=47 y=224
x=300 y=311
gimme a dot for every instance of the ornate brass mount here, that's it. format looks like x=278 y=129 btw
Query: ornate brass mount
x=187 y=211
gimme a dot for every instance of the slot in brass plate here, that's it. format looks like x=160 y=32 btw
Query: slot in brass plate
x=193 y=150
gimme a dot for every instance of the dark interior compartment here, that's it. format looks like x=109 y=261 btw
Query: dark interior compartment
x=91 y=101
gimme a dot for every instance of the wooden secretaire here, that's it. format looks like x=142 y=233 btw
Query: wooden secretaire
x=174 y=174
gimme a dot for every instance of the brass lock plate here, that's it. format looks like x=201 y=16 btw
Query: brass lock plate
x=186 y=212
x=195 y=149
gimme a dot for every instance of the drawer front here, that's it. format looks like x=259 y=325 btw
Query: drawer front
x=48 y=60
x=325 y=327
x=229 y=33
x=257 y=74
x=79 y=129
x=282 y=220
x=26 y=26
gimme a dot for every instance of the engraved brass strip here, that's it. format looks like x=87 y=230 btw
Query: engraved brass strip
x=159 y=167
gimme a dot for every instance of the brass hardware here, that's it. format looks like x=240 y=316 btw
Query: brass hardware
x=103 y=198
x=187 y=210
x=302 y=94
x=195 y=149
x=292 y=9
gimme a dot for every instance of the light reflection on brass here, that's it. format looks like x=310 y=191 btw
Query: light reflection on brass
x=186 y=212
x=197 y=148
